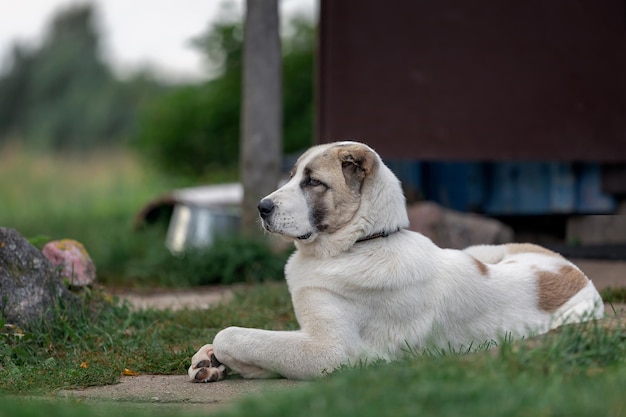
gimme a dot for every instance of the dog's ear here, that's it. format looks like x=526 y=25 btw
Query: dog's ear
x=357 y=162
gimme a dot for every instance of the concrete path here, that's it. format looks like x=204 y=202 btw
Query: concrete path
x=197 y=298
x=177 y=393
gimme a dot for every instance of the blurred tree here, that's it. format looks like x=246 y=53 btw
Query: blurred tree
x=261 y=118
x=13 y=92
x=62 y=95
x=195 y=128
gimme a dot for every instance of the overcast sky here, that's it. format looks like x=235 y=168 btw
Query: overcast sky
x=135 y=33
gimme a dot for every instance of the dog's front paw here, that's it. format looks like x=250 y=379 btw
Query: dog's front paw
x=205 y=367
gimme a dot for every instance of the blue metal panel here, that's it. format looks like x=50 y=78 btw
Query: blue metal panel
x=410 y=173
x=509 y=188
x=457 y=185
x=518 y=188
x=562 y=188
x=590 y=198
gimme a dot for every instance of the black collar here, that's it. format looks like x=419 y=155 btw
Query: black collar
x=384 y=233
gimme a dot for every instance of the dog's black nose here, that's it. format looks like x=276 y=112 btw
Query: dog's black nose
x=266 y=206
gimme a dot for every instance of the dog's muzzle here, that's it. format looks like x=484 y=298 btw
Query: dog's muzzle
x=266 y=208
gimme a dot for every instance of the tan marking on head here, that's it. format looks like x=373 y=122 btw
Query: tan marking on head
x=484 y=270
x=556 y=288
x=514 y=248
x=342 y=169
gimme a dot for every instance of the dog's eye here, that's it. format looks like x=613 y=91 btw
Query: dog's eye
x=313 y=182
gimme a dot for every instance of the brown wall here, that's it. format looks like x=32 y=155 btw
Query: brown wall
x=475 y=80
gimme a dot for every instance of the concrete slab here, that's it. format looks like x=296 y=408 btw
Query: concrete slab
x=596 y=229
x=175 y=392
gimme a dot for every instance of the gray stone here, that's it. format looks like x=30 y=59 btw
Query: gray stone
x=452 y=229
x=596 y=230
x=29 y=285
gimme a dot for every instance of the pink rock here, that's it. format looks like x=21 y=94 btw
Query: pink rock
x=76 y=265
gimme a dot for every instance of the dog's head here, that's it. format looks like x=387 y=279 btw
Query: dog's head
x=338 y=193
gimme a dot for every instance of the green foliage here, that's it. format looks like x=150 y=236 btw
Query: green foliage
x=232 y=261
x=614 y=295
x=298 y=82
x=226 y=262
x=99 y=213
x=192 y=129
x=196 y=128
x=62 y=96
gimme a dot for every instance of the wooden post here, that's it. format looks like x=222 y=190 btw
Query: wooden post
x=261 y=133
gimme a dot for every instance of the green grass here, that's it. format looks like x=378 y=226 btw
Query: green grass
x=92 y=341
x=91 y=198
x=614 y=295
x=94 y=199
x=578 y=370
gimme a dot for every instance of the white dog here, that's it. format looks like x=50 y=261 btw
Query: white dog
x=363 y=287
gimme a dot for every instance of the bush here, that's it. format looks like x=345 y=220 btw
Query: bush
x=228 y=261
x=192 y=129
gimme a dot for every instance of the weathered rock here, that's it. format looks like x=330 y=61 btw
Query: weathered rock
x=452 y=229
x=29 y=285
x=77 y=268
x=597 y=230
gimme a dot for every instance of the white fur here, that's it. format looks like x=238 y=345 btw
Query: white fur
x=377 y=298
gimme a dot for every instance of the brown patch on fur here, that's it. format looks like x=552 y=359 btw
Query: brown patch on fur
x=359 y=158
x=514 y=248
x=556 y=288
x=342 y=171
x=481 y=267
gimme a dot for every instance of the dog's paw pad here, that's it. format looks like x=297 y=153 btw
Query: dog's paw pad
x=208 y=370
x=203 y=364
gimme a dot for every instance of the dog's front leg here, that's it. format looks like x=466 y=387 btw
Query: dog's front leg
x=255 y=353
